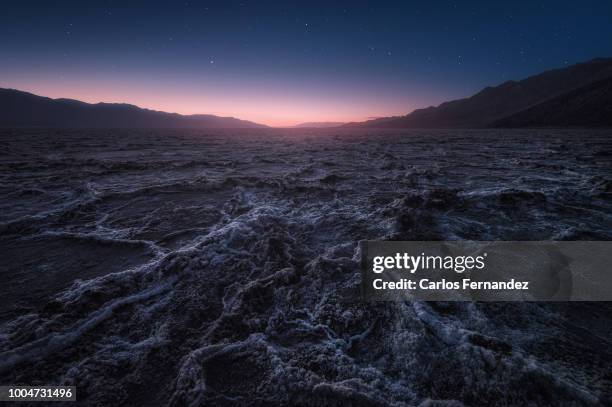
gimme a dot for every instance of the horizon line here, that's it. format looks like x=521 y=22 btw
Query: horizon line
x=292 y=124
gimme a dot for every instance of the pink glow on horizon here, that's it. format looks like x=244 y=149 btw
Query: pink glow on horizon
x=276 y=108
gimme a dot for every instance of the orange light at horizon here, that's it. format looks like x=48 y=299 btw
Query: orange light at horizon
x=275 y=108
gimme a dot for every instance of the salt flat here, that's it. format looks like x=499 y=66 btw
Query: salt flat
x=171 y=267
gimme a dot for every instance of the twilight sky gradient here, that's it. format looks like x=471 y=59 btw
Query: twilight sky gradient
x=282 y=63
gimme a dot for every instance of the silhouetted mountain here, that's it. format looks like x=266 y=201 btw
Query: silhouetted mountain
x=590 y=105
x=19 y=109
x=495 y=103
x=319 y=124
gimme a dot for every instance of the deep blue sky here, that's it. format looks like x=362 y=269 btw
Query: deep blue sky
x=284 y=62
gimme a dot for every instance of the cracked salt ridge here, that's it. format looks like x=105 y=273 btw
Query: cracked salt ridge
x=256 y=313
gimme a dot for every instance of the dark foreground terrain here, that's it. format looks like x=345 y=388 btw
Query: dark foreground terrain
x=178 y=268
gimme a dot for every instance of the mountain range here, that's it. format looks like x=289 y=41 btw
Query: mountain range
x=588 y=105
x=18 y=109
x=578 y=95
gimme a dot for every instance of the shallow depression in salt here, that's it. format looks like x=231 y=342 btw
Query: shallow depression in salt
x=169 y=268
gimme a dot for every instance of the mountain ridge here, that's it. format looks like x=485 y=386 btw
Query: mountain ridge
x=589 y=105
x=25 y=109
x=493 y=103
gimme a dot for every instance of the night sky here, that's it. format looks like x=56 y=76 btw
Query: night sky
x=281 y=63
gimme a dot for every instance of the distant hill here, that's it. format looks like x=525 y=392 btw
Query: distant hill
x=19 y=109
x=590 y=105
x=320 y=125
x=493 y=104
